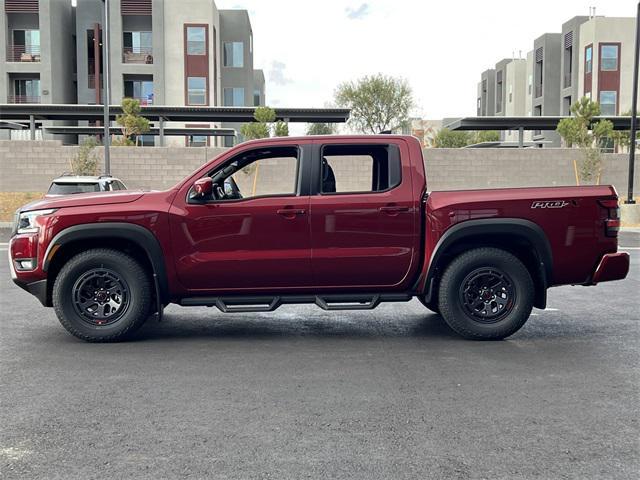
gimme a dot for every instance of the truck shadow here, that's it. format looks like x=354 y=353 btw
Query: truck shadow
x=255 y=326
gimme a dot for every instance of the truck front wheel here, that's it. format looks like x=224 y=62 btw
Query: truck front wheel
x=486 y=294
x=102 y=295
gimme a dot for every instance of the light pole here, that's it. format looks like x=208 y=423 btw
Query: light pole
x=634 y=118
x=106 y=89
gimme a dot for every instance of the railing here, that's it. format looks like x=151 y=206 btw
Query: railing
x=137 y=55
x=23 y=99
x=567 y=80
x=538 y=91
x=144 y=100
x=23 y=53
x=91 y=77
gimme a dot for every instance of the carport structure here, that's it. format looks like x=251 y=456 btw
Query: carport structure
x=525 y=123
x=30 y=114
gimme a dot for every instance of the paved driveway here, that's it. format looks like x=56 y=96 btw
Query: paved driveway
x=303 y=393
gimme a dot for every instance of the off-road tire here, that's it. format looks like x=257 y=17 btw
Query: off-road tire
x=451 y=296
x=131 y=274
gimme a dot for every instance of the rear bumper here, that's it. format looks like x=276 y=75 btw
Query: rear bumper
x=612 y=266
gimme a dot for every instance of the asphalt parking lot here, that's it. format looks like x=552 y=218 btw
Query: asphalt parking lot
x=303 y=393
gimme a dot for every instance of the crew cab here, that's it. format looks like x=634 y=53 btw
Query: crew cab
x=344 y=222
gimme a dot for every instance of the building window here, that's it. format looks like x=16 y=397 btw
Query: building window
x=234 y=54
x=196 y=41
x=609 y=57
x=510 y=93
x=26 y=46
x=145 y=140
x=197 y=141
x=588 y=59
x=234 y=97
x=26 y=90
x=141 y=90
x=196 y=90
x=137 y=47
x=530 y=84
x=499 y=91
x=608 y=103
x=256 y=98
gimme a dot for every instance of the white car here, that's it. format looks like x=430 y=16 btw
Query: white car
x=70 y=184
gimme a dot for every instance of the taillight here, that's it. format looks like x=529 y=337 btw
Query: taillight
x=612 y=222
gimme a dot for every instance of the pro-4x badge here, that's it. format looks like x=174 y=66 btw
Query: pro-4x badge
x=549 y=204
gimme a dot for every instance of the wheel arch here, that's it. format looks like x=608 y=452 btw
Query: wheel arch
x=128 y=237
x=523 y=238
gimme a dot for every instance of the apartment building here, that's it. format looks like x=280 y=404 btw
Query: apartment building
x=569 y=61
x=487 y=93
x=546 y=83
x=591 y=56
x=515 y=94
x=606 y=52
x=38 y=53
x=162 y=52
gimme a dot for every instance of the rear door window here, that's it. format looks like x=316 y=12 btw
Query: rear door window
x=359 y=168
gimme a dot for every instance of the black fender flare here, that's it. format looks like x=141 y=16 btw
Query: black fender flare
x=137 y=234
x=526 y=229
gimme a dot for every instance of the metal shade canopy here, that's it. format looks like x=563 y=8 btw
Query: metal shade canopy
x=22 y=111
x=526 y=123
x=205 y=132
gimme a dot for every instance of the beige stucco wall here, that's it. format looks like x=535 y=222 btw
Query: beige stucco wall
x=516 y=95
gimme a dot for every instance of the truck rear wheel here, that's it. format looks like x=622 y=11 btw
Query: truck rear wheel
x=102 y=295
x=486 y=294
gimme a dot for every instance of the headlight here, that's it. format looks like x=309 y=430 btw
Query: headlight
x=26 y=222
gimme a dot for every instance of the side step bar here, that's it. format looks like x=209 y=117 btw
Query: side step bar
x=242 y=304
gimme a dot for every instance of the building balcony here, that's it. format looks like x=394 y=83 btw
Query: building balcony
x=23 y=99
x=137 y=55
x=144 y=100
x=23 y=53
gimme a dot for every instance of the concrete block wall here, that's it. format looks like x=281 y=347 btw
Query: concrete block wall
x=466 y=168
x=30 y=166
x=27 y=166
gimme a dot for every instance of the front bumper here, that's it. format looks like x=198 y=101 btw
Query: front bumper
x=612 y=266
x=38 y=289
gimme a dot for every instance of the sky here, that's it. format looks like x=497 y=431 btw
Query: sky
x=307 y=48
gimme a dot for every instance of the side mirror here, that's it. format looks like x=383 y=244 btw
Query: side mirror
x=203 y=187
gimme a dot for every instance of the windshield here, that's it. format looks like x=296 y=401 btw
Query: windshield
x=67 y=188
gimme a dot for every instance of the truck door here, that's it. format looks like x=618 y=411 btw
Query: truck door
x=253 y=233
x=363 y=215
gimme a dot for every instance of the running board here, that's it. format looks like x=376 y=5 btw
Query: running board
x=242 y=304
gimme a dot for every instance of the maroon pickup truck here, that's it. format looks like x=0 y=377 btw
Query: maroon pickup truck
x=345 y=222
